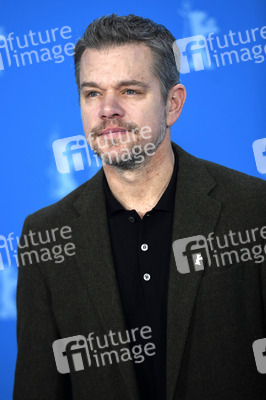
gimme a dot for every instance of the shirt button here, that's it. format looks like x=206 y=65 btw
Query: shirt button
x=131 y=219
x=144 y=247
x=146 y=277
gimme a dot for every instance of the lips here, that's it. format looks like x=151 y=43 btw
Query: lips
x=112 y=130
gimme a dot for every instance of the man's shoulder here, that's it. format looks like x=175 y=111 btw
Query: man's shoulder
x=242 y=196
x=224 y=176
x=63 y=210
x=233 y=179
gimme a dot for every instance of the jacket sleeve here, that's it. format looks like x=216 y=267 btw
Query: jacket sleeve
x=36 y=376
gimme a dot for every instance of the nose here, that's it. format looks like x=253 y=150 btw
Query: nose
x=110 y=107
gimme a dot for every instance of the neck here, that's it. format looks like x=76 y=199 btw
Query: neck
x=142 y=188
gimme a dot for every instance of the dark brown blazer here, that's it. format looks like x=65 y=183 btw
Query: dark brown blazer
x=213 y=315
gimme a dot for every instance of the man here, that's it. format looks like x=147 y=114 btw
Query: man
x=128 y=281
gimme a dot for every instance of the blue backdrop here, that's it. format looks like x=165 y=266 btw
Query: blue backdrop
x=223 y=48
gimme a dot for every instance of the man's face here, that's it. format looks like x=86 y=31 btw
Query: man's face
x=121 y=104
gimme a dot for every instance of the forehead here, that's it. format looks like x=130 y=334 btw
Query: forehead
x=129 y=61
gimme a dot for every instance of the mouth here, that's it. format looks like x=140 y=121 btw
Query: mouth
x=112 y=131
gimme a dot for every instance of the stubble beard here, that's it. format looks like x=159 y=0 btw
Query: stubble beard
x=132 y=163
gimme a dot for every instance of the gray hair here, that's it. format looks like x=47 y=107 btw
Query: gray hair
x=114 y=30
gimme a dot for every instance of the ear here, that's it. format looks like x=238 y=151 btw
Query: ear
x=176 y=99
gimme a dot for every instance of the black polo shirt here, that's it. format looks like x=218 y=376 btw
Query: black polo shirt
x=141 y=250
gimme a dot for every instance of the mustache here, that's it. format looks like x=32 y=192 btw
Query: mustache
x=95 y=132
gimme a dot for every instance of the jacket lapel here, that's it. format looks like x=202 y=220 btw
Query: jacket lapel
x=196 y=213
x=95 y=261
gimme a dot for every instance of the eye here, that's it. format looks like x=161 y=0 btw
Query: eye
x=91 y=94
x=131 y=91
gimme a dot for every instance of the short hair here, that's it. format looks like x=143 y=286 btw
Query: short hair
x=113 y=30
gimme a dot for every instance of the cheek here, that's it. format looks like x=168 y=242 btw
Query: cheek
x=90 y=116
x=151 y=117
x=86 y=118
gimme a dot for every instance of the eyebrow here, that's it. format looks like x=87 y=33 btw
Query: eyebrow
x=132 y=82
